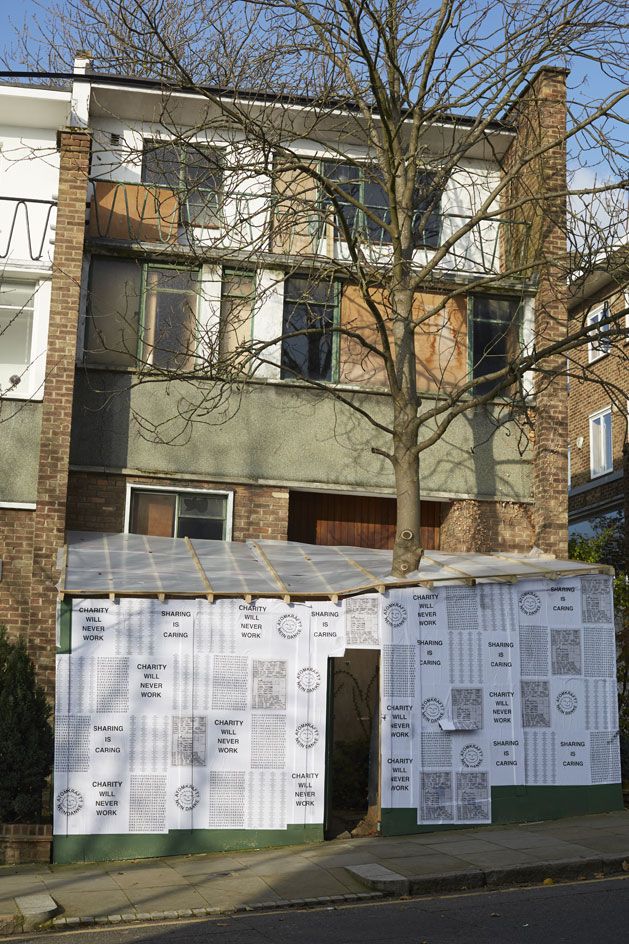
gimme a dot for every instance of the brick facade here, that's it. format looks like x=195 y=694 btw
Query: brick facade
x=610 y=390
x=486 y=526
x=96 y=502
x=54 y=449
x=540 y=117
x=16 y=541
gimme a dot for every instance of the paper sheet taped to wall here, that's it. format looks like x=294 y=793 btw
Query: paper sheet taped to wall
x=190 y=715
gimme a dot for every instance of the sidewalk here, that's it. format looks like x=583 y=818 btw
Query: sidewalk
x=187 y=886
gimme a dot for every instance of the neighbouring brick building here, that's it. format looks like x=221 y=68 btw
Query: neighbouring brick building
x=92 y=441
x=598 y=408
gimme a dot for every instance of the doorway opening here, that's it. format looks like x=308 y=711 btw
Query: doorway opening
x=353 y=745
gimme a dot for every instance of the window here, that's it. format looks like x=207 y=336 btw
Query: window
x=179 y=514
x=495 y=336
x=195 y=171
x=237 y=297
x=139 y=311
x=363 y=182
x=599 y=346
x=22 y=339
x=309 y=307
x=601 y=458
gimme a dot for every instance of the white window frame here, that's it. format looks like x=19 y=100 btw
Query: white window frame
x=598 y=348
x=592 y=421
x=31 y=386
x=138 y=487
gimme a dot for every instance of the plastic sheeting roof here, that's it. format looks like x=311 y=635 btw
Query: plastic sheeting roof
x=137 y=565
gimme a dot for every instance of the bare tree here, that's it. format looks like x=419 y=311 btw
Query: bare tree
x=389 y=178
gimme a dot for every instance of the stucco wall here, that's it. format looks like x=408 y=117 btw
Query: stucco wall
x=20 y=424
x=281 y=433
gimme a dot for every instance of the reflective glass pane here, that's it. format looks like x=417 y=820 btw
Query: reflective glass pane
x=161 y=164
x=16 y=330
x=113 y=312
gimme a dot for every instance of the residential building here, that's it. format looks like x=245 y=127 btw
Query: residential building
x=599 y=406
x=143 y=280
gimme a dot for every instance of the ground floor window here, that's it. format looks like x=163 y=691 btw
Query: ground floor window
x=184 y=513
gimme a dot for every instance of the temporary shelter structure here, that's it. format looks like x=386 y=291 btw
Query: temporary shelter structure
x=194 y=699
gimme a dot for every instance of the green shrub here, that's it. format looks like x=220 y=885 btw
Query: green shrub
x=26 y=738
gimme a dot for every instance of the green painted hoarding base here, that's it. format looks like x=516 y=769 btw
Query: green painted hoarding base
x=520 y=805
x=66 y=849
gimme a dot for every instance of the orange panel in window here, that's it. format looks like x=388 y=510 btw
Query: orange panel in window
x=153 y=513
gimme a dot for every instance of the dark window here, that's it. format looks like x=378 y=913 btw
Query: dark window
x=364 y=183
x=496 y=326
x=194 y=171
x=308 y=307
x=140 y=312
x=179 y=514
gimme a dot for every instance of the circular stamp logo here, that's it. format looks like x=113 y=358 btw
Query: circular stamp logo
x=289 y=626
x=308 y=679
x=395 y=614
x=530 y=603
x=187 y=796
x=70 y=801
x=306 y=734
x=433 y=709
x=566 y=702
x=472 y=755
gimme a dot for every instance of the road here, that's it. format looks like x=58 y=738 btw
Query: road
x=594 y=912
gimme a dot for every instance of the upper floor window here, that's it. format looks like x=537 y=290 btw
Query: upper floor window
x=183 y=513
x=22 y=339
x=600 y=345
x=495 y=335
x=195 y=171
x=601 y=455
x=237 y=298
x=310 y=311
x=364 y=183
x=140 y=312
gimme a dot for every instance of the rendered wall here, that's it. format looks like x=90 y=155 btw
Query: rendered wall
x=283 y=433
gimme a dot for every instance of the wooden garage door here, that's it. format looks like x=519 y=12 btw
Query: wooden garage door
x=355 y=520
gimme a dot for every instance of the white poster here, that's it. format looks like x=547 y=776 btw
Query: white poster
x=191 y=715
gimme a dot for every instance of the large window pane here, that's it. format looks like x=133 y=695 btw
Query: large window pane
x=16 y=330
x=203 y=180
x=113 y=312
x=495 y=336
x=169 y=317
x=236 y=305
x=601 y=443
x=309 y=308
x=161 y=165
x=348 y=177
x=179 y=514
x=426 y=211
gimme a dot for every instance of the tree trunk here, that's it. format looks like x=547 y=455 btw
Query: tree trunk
x=407 y=550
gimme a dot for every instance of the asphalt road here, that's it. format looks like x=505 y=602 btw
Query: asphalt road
x=579 y=913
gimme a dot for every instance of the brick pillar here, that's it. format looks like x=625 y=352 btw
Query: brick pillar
x=54 y=450
x=540 y=118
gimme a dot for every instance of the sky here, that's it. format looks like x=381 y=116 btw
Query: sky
x=587 y=81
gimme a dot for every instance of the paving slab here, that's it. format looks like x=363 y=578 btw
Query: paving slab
x=35 y=909
x=380 y=878
x=318 y=874
x=148 y=899
x=148 y=878
x=75 y=902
